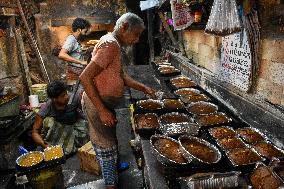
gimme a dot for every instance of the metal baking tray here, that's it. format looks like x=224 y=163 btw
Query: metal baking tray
x=215 y=107
x=139 y=108
x=268 y=142
x=196 y=160
x=146 y=130
x=180 y=129
x=197 y=119
x=210 y=180
x=162 y=117
x=226 y=136
x=173 y=86
x=261 y=159
x=160 y=157
x=176 y=99
x=273 y=172
x=187 y=99
x=253 y=129
x=190 y=90
x=224 y=149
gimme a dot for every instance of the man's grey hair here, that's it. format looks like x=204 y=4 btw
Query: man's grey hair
x=132 y=19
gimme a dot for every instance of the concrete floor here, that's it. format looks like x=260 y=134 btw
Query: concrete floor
x=74 y=178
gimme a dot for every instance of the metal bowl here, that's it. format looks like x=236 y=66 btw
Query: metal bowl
x=60 y=149
x=196 y=160
x=27 y=155
x=160 y=157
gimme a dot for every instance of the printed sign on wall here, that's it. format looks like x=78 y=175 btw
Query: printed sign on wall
x=236 y=60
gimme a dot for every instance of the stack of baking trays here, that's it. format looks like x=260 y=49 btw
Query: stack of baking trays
x=34 y=161
x=200 y=143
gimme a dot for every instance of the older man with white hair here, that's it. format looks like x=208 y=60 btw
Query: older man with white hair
x=104 y=80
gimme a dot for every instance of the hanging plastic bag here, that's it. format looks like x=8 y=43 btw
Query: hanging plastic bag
x=223 y=19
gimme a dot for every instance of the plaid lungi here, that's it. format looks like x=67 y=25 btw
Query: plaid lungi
x=107 y=158
x=71 y=137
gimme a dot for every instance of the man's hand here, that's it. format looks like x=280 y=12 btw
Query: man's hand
x=107 y=118
x=149 y=91
x=84 y=63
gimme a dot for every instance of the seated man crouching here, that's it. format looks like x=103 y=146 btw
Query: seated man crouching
x=60 y=123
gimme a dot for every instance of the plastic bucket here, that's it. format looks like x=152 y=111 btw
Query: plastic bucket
x=40 y=91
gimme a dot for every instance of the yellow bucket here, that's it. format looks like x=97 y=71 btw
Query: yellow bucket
x=40 y=90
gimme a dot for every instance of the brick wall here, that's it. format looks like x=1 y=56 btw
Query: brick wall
x=204 y=50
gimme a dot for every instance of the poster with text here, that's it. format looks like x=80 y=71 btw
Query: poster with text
x=236 y=60
x=180 y=15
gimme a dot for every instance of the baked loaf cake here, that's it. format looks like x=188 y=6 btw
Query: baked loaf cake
x=222 y=132
x=202 y=108
x=147 y=121
x=200 y=150
x=243 y=156
x=263 y=178
x=174 y=118
x=249 y=135
x=173 y=104
x=212 y=119
x=170 y=149
x=230 y=143
x=194 y=98
x=150 y=104
x=267 y=150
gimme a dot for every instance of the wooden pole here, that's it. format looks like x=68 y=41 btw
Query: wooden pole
x=33 y=43
x=23 y=60
x=150 y=34
x=167 y=28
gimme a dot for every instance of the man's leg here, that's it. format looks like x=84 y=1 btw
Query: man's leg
x=107 y=158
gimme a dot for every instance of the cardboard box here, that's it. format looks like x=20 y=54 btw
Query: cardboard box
x=88 y=161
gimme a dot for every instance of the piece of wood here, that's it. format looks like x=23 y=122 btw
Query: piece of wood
x=24 y=61
x=33 y=43
x=150 y=34
x=167 y=28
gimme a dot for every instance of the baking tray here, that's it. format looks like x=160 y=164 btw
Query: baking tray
x=177 y=72
x=173 y=87
x=191 y=90
x=273 y=173
x=145 y=132
x=244 y=168
x=213 y=106
x=268 y=142
x=210 y=180
x=182 y=109
x=138 y=109
x=160 y=157
x=187 y=99
x=207 y=126
x=210 y=131
x=218 y=141
x=253 y=129
x=196 y=160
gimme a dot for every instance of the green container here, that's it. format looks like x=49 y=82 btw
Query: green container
x=40 y=91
